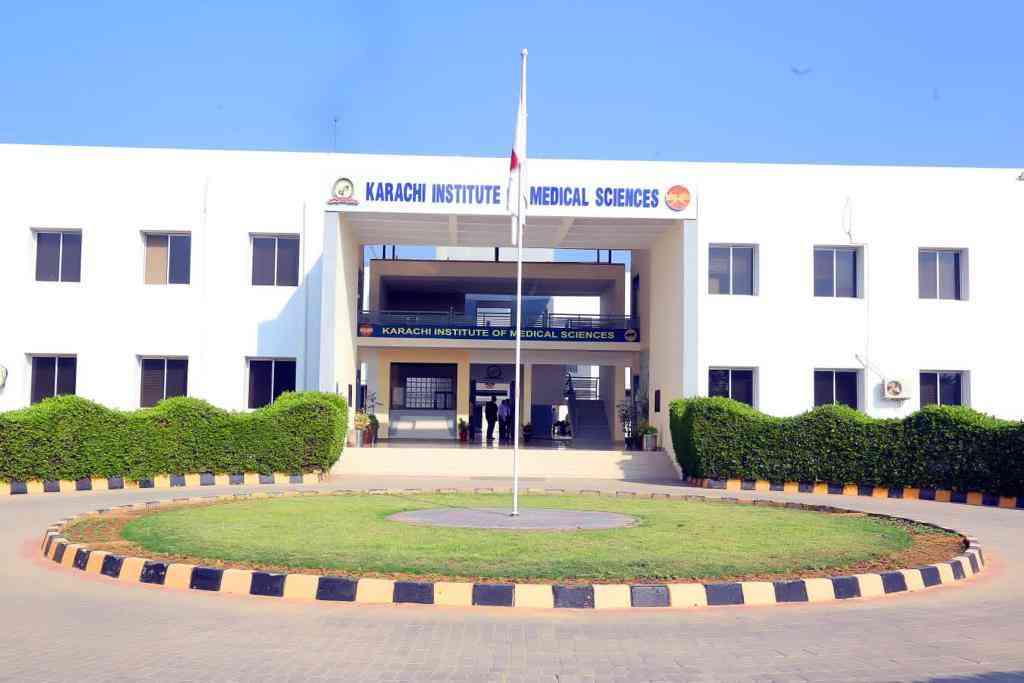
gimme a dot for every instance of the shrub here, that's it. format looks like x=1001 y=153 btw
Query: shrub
x=69 y=437
x=937 y=447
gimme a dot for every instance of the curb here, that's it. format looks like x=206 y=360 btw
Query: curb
x=160 y=481
x=463 y=594
x=865 y=490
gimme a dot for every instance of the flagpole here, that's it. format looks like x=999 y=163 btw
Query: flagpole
x=519 y=299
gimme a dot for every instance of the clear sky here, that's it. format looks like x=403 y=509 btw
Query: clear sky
x=893 y=82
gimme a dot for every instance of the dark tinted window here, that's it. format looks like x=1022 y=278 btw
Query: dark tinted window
x=824 y=277
x=263 y=256
x=743 y=386
x=284 y=376
x=718 y=383
x=260 y=372
x=950 y=389
x=152 y=382
x=67 y=371
x=47 y=256
x=823 y=388
x=846 y=272
x=742 y=270
x=44 y=377
x=929 y=388
x=718 y=270
x=177 y=377
x=288 y=261
x=179 y=271
x=71 y=257
x=939 y=274
x=846 y=389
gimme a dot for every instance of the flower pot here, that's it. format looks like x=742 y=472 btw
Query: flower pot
x=650 y=442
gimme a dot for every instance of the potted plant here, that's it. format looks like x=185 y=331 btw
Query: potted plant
x=463 y=430
x=361 y=422
x=371 y=433
x=650 y=436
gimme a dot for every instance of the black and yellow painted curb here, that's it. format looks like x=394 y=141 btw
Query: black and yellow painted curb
x=596 y=596
x=160 y=481
x=864 y=490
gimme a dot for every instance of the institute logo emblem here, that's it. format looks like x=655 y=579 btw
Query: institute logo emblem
x=630 y=335
x=343 y=192
x=677 y=198
x=366 y=330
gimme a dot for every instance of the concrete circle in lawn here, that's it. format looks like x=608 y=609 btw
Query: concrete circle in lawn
x=528 y=519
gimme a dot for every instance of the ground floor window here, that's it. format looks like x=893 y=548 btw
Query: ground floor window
x=269 y=378
x=53 y=376
x=423 y=386
x=163 y=378
x=734 y=383
x=944 y=388
x=836 y=386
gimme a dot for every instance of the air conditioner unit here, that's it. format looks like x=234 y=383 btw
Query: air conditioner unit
x=895 y=389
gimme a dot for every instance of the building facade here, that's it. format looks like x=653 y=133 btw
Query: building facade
x=129 y=275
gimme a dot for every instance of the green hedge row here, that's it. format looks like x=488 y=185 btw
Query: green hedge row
x=937 y=447
x=69 y=437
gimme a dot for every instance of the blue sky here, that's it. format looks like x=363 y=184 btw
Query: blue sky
x=868 y=82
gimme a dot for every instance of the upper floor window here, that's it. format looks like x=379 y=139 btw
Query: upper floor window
x=269 y=378
x=731 y=269
x=942 y=388
x=734 y=383
x=940 y=274
x=53 y=376
x=836 y=386
x=836 y=271
x=275 y=260
x=163 y=378
x=59 y=256
x=168 y=259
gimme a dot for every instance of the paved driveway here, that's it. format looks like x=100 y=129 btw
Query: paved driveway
x=59 y=625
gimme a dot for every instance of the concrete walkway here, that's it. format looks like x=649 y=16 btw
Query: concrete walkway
x=57 y=625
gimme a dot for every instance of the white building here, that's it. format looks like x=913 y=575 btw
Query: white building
x=128 y=275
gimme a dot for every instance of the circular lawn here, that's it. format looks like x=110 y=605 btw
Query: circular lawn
x=671 y=539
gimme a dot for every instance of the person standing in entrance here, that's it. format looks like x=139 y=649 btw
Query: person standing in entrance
x=505 y=421
x=491 y=413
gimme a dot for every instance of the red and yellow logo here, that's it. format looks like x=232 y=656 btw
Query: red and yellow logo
x=677 y=198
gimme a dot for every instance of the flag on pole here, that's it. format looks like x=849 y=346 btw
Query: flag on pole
x=517 y=163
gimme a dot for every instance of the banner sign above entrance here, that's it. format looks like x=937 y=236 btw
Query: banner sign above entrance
x=552 y=334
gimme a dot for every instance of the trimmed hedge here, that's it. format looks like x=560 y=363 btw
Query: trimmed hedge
x=69 y=437
x=941 y=447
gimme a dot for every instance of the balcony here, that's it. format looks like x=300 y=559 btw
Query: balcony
x=498 y=325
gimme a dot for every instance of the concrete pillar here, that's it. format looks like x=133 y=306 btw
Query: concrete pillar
x=526 y=395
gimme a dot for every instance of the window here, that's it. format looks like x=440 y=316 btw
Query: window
x=268 y=379
x=168 y=259
x=275 y=261
x=942 y=388
x=836 y=386
x=53 y=376
x=940 y=274
x=731 y=270
x=835 y=272
x=163 y=378
x=58 y=257
x=433 y=393
x=737 y=384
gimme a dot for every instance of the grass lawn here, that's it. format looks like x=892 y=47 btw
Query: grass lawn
x=679 y=540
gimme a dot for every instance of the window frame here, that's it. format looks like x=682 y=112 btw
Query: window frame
x=859 y=391
x=169 y=234
x=859 y=281
x=273 y=360
x=163 y=397
x=30 y=362
x=36 y=232
x=962 y=280
x=754 y=267
x=754 y=388
x=965 y=387
x=277 y=237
